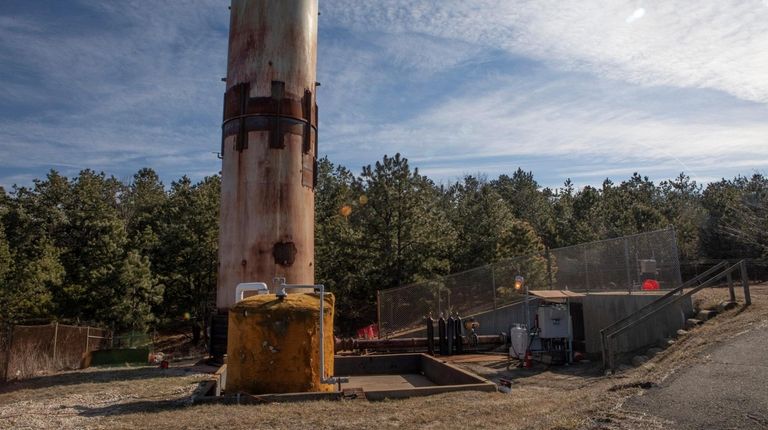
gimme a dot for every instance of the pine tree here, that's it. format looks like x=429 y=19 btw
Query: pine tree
x=187 y=254
x=32 y=219
x=488 y=231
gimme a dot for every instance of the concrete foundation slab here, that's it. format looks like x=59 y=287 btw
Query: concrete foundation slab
x=377 y=377
x=388 y=382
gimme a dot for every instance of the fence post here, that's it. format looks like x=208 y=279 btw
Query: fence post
x=8 y=352
x=378 y=314
x=87 y=338
x=626 y=265
x=745 y=283
x=676 y=254
x=611 y=361
x=731 y=293
x=55 y=340
x=549 y=269
x=440 y=300
x=586 y=268
x=604 y=351
x=493 y=290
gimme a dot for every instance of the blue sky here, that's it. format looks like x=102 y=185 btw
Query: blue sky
x=585 y=89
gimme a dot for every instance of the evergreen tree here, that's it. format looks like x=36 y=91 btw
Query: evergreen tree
x=32 y=218
x=405 y=231
x=138 y=292
x=527 y=202
x=99 y=278
x=632 y=207
x=339 y=264
x=487 y=229
x=737 y=218
x=188 y=251
x=141 y=205
x=683 y=209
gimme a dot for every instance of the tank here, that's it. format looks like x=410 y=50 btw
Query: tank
x=274 y=344
x=518 y=335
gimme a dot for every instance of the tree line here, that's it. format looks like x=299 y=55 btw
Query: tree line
x=136 y=254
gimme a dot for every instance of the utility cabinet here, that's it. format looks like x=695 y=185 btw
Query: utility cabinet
x=554 y=322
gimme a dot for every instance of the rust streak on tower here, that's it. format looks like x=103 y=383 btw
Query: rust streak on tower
x=269 y=146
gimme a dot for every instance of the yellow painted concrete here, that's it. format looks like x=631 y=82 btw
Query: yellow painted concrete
x=273 y=345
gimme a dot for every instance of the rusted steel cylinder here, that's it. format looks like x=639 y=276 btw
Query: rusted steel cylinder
x=269 y=146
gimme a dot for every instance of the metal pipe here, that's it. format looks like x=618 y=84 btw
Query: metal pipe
x=349 y=344
x=450 y=330
x=527 y=309
x=430 y=334
x=320 y=290
x=259 y=287
x=332 y=379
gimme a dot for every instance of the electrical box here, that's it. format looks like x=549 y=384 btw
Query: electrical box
x=554 y=322
x=647 y=266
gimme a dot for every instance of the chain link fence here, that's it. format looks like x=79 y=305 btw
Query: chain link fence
x=29 y=350
x=757 y=268
x=621 y=264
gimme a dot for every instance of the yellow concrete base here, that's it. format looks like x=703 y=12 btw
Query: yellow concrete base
x=273 y=345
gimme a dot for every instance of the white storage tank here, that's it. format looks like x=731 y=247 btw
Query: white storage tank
x=518 y=336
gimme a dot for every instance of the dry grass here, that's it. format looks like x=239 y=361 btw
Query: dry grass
x=147 y=398
x=710 y=298
x=87 y=399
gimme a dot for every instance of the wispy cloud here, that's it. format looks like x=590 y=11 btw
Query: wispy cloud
x=138 y=83
x=581 y=89
x=710 y=44
x=502 y=119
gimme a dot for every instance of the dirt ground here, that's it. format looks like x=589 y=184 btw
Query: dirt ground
x=571 y=397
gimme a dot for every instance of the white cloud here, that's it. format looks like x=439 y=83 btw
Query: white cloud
x=134 y=87
x=637 y=14
x=703 y=44
x=141 y=86
x=501 y=120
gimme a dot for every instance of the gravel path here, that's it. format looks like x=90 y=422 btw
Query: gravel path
x=726 y=389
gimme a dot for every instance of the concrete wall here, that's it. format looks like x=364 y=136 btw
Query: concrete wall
x=602 y=310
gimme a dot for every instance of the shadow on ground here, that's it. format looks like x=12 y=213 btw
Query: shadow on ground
x=139 y=406
x=95 y=376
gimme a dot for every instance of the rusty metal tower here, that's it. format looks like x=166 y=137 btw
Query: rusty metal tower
x=269 y=146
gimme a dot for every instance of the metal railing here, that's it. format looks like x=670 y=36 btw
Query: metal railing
x=609 y=333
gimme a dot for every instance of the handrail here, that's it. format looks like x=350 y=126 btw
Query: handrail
x=605 y=331
x=660 y=304
x=686 y=284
